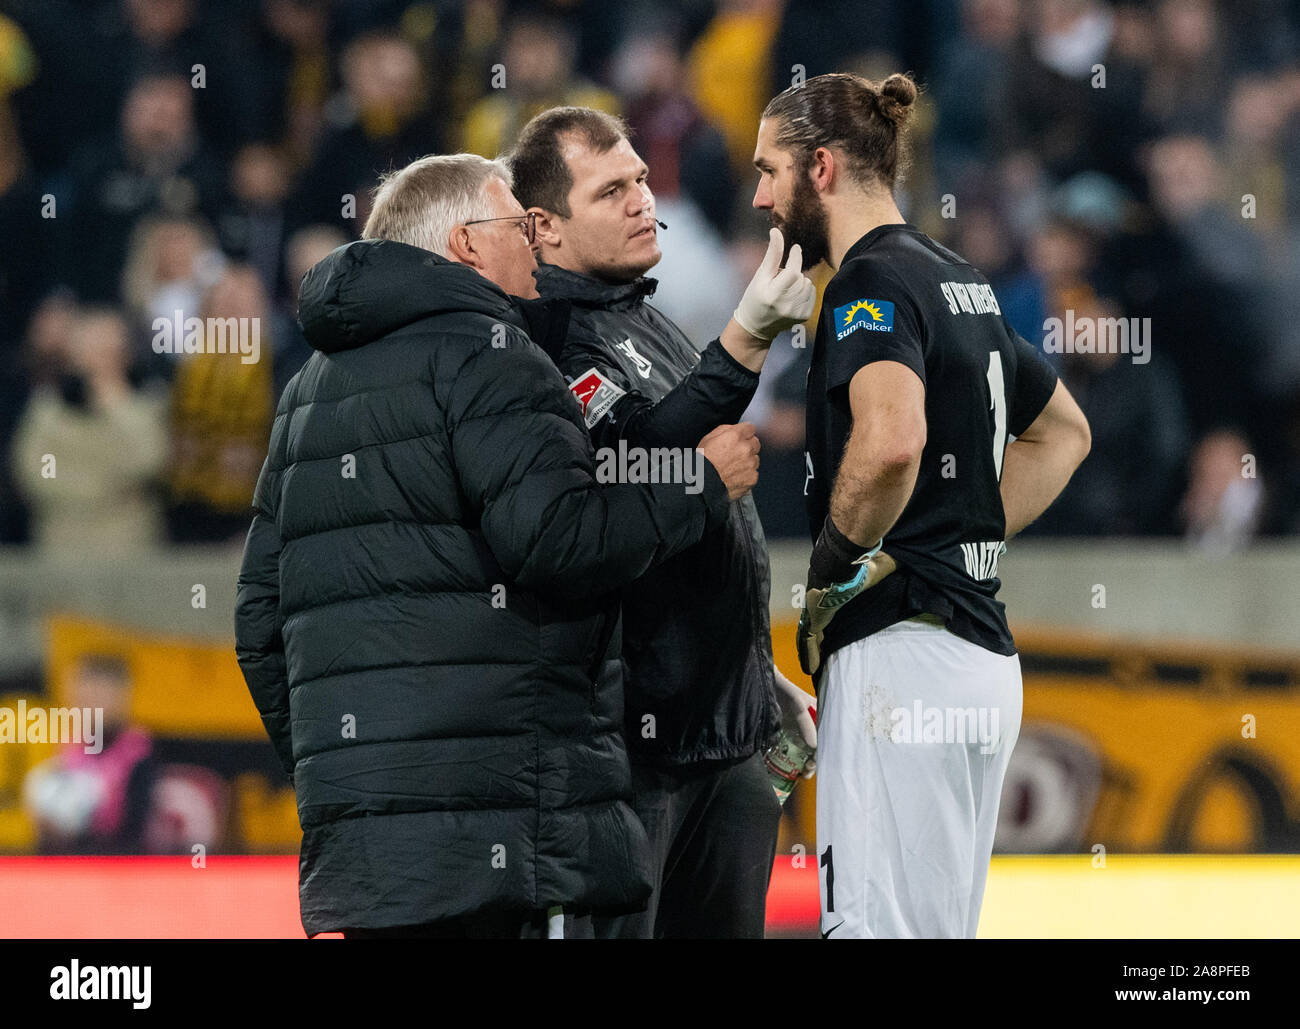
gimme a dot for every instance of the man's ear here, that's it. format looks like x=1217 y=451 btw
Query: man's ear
x=546 y=227
x=822 y=169
x=460 y=248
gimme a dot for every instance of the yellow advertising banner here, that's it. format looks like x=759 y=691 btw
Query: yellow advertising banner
x=189 y=697
x=180 y=687
x=1124 y=746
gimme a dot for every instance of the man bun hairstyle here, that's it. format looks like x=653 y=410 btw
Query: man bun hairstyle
x=896 y=96
x=864 y=119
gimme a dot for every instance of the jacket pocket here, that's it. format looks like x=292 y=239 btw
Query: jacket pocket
x=605 y=633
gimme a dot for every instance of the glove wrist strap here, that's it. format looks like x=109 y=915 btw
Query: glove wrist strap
x=836 y=558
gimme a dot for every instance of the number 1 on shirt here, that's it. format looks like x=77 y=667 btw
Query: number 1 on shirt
x=998 y=390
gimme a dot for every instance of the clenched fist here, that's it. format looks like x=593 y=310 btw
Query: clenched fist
x=733 y=451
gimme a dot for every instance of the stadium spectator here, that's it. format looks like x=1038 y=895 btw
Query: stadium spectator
x=101 y=802
x=38 y=364
x=252 y=224
x=1188 y=187
x=1056 y=106
x=1217 y=317
x=730 y=72
x=1189 y=77
x=1225 y=497
x=292 y=73
x=45 y=353
x=87 y=456
x=171 y=263
x=220 y=418
x=306 y=249
x=194 y=40
x=381 y=120
x=835 y=35
x=687 y=153
x=1131 y=481
x=1258 y=108
x=156 y=165
x=970 y=91
x=536 y=71
x=1062 y=262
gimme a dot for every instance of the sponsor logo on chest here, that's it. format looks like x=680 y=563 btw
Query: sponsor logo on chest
x=642 y=365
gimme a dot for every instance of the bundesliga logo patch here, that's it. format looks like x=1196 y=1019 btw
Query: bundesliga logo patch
x=872 y=315
x=596 y=394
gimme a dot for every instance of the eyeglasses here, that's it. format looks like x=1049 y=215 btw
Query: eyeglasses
x=527 y=224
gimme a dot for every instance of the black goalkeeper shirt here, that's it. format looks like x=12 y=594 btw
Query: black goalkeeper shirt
x=900 y=296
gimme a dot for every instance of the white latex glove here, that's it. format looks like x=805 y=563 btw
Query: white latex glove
x=776 y=298
x=798 y=710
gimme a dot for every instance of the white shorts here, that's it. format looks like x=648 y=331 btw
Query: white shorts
x=915 y=727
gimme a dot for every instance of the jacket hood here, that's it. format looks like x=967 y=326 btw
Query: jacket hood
x=585 y=291
x=369 y=288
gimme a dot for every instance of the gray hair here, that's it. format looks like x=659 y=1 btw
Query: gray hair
x=421 y=203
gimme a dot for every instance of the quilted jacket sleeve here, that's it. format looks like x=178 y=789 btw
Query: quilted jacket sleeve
x=259 y=644
x=525 y=461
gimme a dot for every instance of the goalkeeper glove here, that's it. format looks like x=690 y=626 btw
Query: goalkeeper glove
x=838 y=571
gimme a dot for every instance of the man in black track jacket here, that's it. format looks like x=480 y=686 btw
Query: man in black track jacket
x=701 y=700
x=424 y=615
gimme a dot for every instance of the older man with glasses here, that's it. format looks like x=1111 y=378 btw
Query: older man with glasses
x=425 y=616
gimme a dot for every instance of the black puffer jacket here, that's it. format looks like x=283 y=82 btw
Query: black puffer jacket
x=424 y=614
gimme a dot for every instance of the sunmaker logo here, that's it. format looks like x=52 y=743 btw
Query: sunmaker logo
x=869 y=315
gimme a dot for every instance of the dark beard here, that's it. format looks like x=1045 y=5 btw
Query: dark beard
x=806 y=224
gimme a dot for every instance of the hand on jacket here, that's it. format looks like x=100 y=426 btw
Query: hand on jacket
x=733 y=451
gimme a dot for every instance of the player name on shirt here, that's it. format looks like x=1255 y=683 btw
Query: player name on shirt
x=970 y=298
x=981 y=559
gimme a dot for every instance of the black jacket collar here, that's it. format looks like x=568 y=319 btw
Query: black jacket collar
x=585 y=291
x=546 y=321
x=369 y=288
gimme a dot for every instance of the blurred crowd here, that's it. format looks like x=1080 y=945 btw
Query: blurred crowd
x=168 y=159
